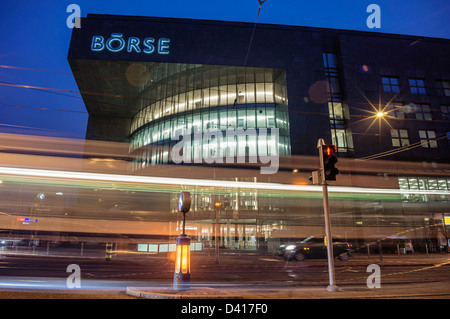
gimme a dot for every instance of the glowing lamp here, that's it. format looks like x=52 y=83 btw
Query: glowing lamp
x=182 y=276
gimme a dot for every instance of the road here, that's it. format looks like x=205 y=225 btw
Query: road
x=256 y=275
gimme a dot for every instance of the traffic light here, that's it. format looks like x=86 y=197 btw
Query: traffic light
x=329 y=160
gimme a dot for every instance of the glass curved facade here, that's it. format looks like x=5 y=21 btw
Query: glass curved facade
x=192 y=98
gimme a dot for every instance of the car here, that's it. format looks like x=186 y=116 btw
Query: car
x=281 y=250
x=314 y=247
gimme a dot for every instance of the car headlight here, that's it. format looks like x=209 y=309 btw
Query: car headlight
x=290 y=247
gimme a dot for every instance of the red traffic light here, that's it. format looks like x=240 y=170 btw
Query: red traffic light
x=329 y=160
x=330 y=150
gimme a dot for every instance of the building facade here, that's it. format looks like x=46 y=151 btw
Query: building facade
x=142 y=79
x=148 y=81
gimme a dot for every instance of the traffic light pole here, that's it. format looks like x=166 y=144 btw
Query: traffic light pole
x=326 y=209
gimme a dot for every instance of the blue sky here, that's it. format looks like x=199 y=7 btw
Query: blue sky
x=34 y=36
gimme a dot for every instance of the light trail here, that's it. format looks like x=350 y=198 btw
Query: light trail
x=146 y=180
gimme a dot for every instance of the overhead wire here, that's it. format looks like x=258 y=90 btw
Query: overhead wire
x=42 y=108
x=402 y=149
x=253 y=31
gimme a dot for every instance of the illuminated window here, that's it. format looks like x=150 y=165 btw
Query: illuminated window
x=399 y=137
x=340 y=132
x=390 y=84
x=339 y=139
x=423 y=183
x=417 y=86
x=428 y=139
x=201 y=88
x=184 y=99
x=169 y=129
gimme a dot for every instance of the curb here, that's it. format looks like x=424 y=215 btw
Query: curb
x=194 y=293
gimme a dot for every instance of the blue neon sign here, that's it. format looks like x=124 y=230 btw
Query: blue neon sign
x=116 y=43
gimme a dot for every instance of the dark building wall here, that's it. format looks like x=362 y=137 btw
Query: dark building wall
x=297 y=50
x=106 y=128
x=403 y=58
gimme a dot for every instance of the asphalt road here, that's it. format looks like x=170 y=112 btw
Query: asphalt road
x=253 y=275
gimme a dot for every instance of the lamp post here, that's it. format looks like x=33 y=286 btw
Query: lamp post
x=182 y=275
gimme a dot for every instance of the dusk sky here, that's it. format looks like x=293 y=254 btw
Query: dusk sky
x=34 y=42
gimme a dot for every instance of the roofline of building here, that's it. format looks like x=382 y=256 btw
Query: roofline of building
x=263 y=25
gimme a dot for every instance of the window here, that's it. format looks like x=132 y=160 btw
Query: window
x=399 y=137
x=423 y=112
x=423 y=183
x=251 y=119
x=331 y=73
x=428 y=139
x=341 y=135
x=396 y=110
x=329 y=61
x=241 y=118
x=261 y=117
x=445 y=109
x=443 y=87
x=339 y=139
x=390 y=84
x=333 y=88
x=270 y=115
x=202 y=88
x=417 y=86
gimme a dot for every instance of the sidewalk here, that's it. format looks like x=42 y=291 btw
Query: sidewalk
x=386 y=291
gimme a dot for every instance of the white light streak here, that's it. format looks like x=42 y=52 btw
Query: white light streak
x=25 y=172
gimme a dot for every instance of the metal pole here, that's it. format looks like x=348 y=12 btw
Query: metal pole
x=332 y=287
x=326 y=208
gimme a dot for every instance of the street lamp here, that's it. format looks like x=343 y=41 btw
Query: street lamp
x=182 y=275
